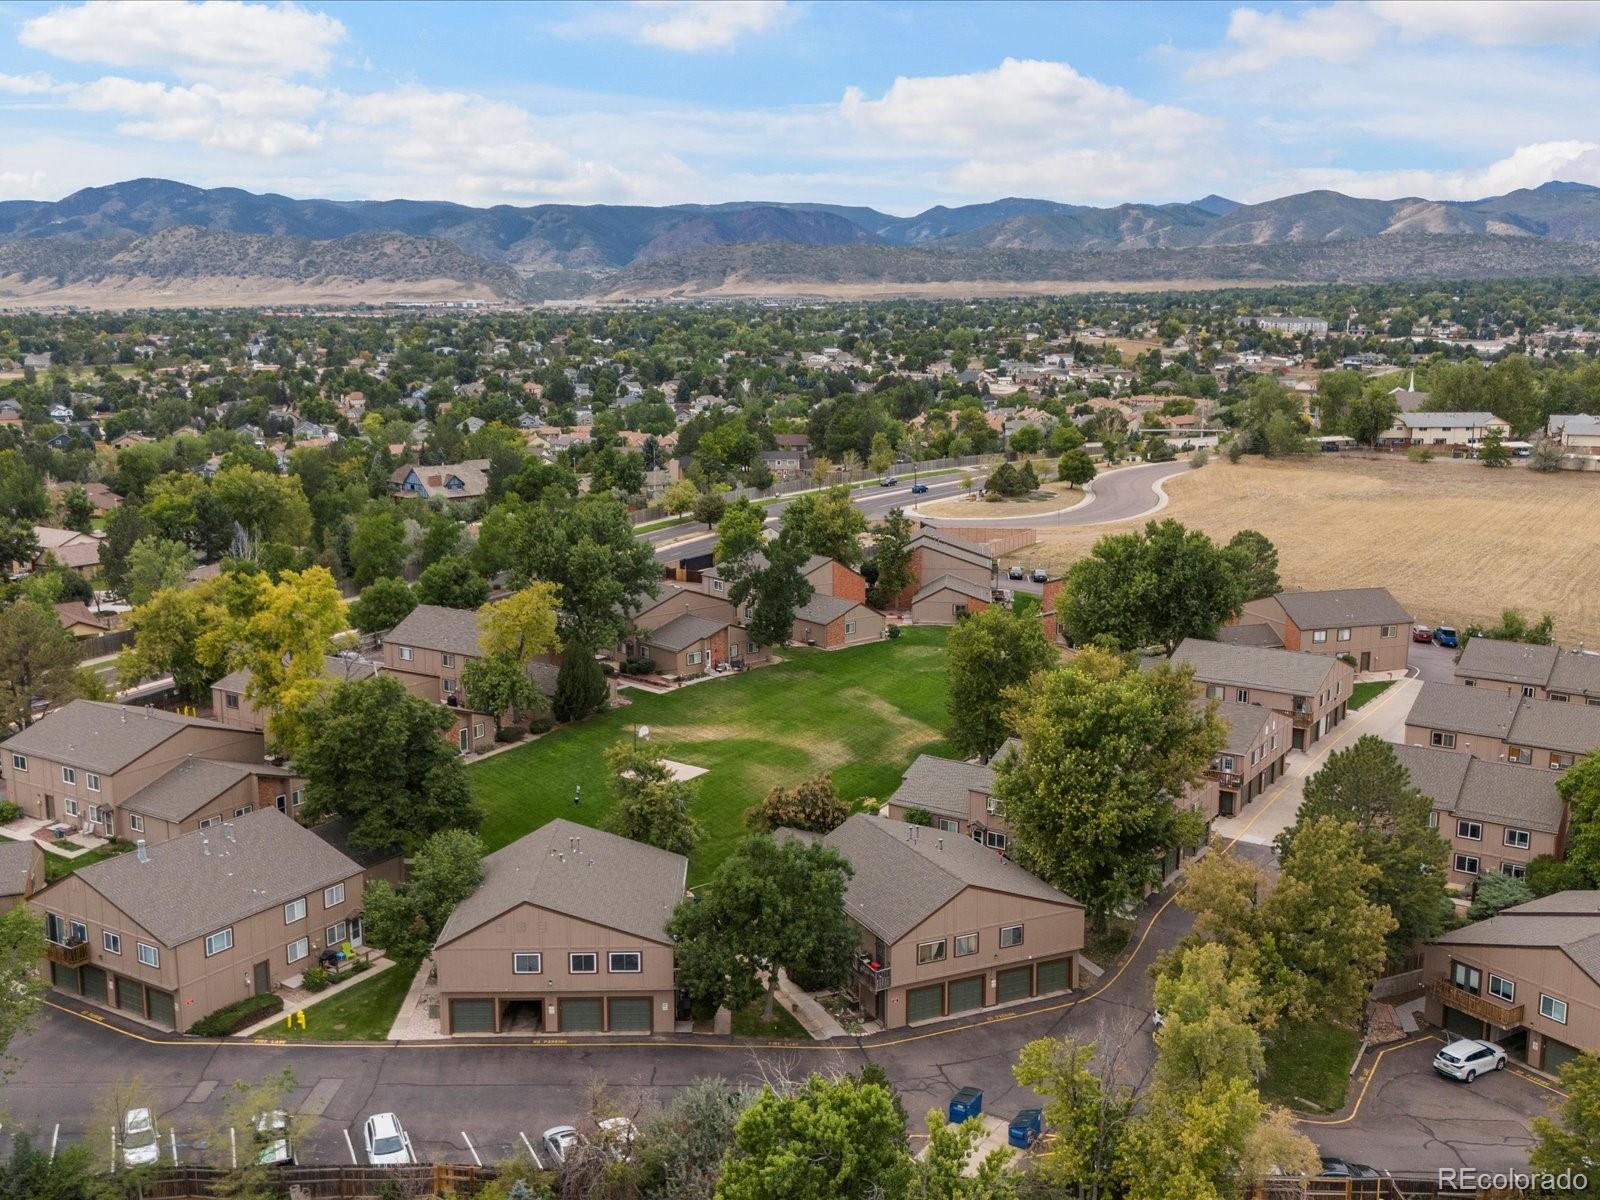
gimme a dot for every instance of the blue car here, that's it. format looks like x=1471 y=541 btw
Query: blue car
x=918 y=489
x=1445 y=635
x=1026 y=1127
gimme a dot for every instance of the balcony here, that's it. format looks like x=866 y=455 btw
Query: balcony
x=73 y=955
x=875 y=977
x=1506 y=1016
x=1227 y=779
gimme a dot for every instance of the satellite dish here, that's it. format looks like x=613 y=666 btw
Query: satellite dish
x=644 y=731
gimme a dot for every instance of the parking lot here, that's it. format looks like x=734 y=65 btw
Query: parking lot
x=1405 y=1117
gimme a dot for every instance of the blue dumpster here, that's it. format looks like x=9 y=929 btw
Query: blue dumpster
x=1026 y=1127
x=965 y=1104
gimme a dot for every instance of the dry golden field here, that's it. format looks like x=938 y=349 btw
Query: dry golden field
x=1454 y=541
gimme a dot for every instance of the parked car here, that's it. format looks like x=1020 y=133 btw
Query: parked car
x=1026 y=1127
x=918 y=489
x=1445 y=635
x=1468 y=1058
x=1156 y=1020
x=272 y=1136
x=618 y=1134
x=559 y=1142
x=387 y=1144
x=966 y=1103
x=141 y=1144
x=1040 y=575
x=1421 y=633
x=888 y=481
x=1338 y=1168
x=1016 y=573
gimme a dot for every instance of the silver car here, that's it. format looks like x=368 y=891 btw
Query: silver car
x=559 y=1142
x=1468 y=1058
x=387 y=1144
x=141 y=1144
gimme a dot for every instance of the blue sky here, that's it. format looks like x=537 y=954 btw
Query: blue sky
x=896 y=105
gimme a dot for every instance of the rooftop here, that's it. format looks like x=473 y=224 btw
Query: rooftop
x=1566 y=921
x=953 y=583
x=1510 y=662
x=434 y=627
x=822 y=608
x=684 y=631
x=941 y=785
x=1287 y=671
x=16 y=865
x=1464 y=710
x=101 y=737
x=1343 y=606
x=191 y=785
x=1500 y=793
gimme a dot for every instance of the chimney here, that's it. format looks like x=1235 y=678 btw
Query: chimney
x=141 y=851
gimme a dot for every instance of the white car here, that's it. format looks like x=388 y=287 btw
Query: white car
x=272 y=1136
x=141 y=1145
x=1469 y=1058
x=1156 y=1020
x=388 y=1145
x=559 y=1142
x=617 y=1134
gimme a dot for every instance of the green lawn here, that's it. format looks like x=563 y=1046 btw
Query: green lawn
x=861 y=715
x=362 y=1013
x=1363 y=692
x=747 y=1022
x=56 y=867
x=1308 y=1066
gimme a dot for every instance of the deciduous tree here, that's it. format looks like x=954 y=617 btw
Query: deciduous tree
x=497 y=684
x=1255 y=559
x=1087 y=1112
x=827 y=523
x=1580 y=789
x=993 y=651
x=522 y=627
x=651 y=806
x=21 y=985
x=405 y=922
x=155 y=563
x=37 y=660
x=812 y=805
x=452 y=583
x=383 y=604
x=891 y=554
x=1566 y=1139
x=378 y=544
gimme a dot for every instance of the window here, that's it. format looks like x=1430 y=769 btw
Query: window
x=966 y=943
x=72 y=807
x=527 y=962
x=716 y=585
x=19 y=762
x=447 y=660
x=1010 y=935
x=149 y=956
x=68 y=775
x=1502 y=989
x=733 y=649
x=930 y=952
x=208 y=822
x=136 y=822
x=79 y=932
x=1520 y=755
x=694 y=657
x=1515 y=870
x=583 y=964
x=1527 y=692
x=1344 y=635
x=1445 y=741
x=219 y=941
x=1227 y=763
x=298 y=949
x=334 y=934
x=625 y=962
x=1464 y=977
x=406 y=653
x=449 y=686
x=111 y=941
x=1386 y=631
x=1555 y=1010
x=1517 y=838
x=299 y=797
x=1469 y=683
x=849 y=626
x=1560 y=762
x=1215 y=691
x=754 y=648
x=1558 y=699
x=1319 y=636
x=946 y=825
x=991 y=805
x=1470 y=830
x=294 y=911
x=477 y=729
x=1433 y=819
x=1467 y=864
x=239 y=812
x=333 y=895
x=995 y=841
x=94 y=814
x=92 y=781
x=1242 y=695
x=231 y=699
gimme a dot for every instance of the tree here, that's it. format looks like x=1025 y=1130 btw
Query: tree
x=270 y=507
x=1368 y=417
x=709 y=507
x=812 y=805
x=741 y=532
x=827 y=523
x=373 y=754
x=1255 y=558
x=37 y=661
x=1005 y=480
x=1027 y=440
x=32 y=1174
x=1087 y=1113
x=881 y=456
x=831 y=1139
x=768 y=906
x=1366 y=785
x=652 y=807
x=1209 y=1034
x=1151 y=588
x=1495 y=892
x=1565 y=1139
x=18 y=542
x=283 y=642
x=378 y=544
x=497 y=684
x=236 y=1144
x=153 y=564
x=522 y=627
x=771 y=583
x=1065 y=438
x=21 y=985
x=580 y=685
x=944 y=1171
x=1548 y=875
x=891 y=555
x=1579 y=787
x=406 y=922
x=1107 y=751
x=1545 y=455
x=993 y=651
x=1513 y=627
x=1189 y=1145
x=680 y=497
x=1492 y=452
x=124 y=527
x=452 y=583
x=383 y=604
x=22 y=492
x=680 y=1150
x=77 y=511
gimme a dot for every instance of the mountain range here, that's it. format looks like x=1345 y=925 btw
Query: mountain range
x=150 y=230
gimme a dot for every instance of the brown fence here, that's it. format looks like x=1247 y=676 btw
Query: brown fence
x=1421 y=1187
x=329 y=1183
x=103 y=643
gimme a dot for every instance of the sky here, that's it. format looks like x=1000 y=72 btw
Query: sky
x=899 y=106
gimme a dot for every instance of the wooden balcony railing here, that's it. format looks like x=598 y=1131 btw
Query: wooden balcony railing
x=74 y=955
x=1485 y=1008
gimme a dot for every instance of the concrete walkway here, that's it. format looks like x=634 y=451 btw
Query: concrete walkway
x=295 y=999
x=1275 y=810
x=818 y=1021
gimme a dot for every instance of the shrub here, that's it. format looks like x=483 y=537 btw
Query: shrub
x=9 y=812
x=233 y=1017
x=812 y=805
x=541 y=725
x=642 y=665
x=1419 y=454
x=1349 y=660
x=318 y=979
x=1199 y=458
x=891 y=632
x=510 y=733
x=918 y=816
x=1235 y=451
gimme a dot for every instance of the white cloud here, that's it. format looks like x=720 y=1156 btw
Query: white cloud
x=195 y=39
x=27 y=85
x=267 y=117
x=1259 y=40
x=688 y=26
x=1525 y=167
x=1494 y=22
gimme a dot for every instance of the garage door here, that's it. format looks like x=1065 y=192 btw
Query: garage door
x=966 y=994
x=472 y=1016
x=1055 y=976
x=163 y=1010
x=1461 y=1024
x=130 y=996
x=65 y=978
x=580 y=1016
x=925 y=1003
x=1555 y=1054
x=630 y=1014
x=94 y=983
x=1015 y=984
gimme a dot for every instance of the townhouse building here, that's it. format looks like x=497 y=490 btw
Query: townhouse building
x=21 y=872
x=1311 y=690
x=1253 y=756
x=936 y=555
x=231 y=706
x=1367 y=624
x=1502 y=727
x=958 y=798
x=1459 y=433
x=1539 y=672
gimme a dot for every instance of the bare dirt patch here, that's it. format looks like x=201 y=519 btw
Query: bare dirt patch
x=739 y=287
x=1454 y=541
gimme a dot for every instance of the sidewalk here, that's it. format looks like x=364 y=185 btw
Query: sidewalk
x=298 y=998
x=818 y=1021
x=415 y=1021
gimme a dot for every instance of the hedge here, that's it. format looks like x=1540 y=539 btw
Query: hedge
x=236 y=1016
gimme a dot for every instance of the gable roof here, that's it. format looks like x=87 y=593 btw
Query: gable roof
x=940 y=785
x=1245 y=723
x=1445 y=420
x=341 y=668
x=1255 y=666
x=905 y=873
x=17 y=861
x=434 y=627
x=203 y=881
x=682 y=632
x=1253 y=633
x=1500 y=793
x=582 y=872
x=1343 y=606
x=1576 y=671
x=1565 y=921
x=191 y=785
x=823 y=609
x=1463 y=709
x=102 y=737
x=76 y=612
x=954 y=583
x=944 y=543
x=472 y=474
x=1509 y=662
x=1555 y=725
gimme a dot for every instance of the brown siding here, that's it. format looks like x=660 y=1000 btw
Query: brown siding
x=939 y=608
x=1533 y=969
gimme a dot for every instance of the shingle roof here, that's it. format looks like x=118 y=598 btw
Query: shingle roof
x=101 y=737
x=342 y=668
x=189 y=786
x=940 y=785
x=1443 y=420
x=1510 y=662
x=955 y=584
x=823 y=609
x=1287 y=671
x=899 y=883
x=1343 y=606
x=1244 y=723
x=1464 y=710
x=1576 y=671
x=946 y=543
x=682 y=632
x=1566 y=921
x=1501 y=793
x=585 y=873
x=434 y=627
x=202 y=881
x=1554 y=725
x=16 y=864
x=1256 y=633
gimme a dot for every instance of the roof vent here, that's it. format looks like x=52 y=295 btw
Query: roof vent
x=941 y=843
x=141 y=851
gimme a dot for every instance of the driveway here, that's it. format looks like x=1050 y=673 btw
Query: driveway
x=1406 y=1118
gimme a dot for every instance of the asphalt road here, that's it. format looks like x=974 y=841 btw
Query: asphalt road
x=1117 y=495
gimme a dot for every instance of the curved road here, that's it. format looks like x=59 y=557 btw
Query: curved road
x=1117 y=495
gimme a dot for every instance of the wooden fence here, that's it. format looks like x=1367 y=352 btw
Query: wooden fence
x=1420 y=1187
x=329 y=1183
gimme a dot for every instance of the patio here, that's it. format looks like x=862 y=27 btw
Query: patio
x=55 y=837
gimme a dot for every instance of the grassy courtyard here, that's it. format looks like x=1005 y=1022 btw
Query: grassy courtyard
x=1308 y=1066
x=1365 y=693
x=362 y=1012
x=860 y=715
